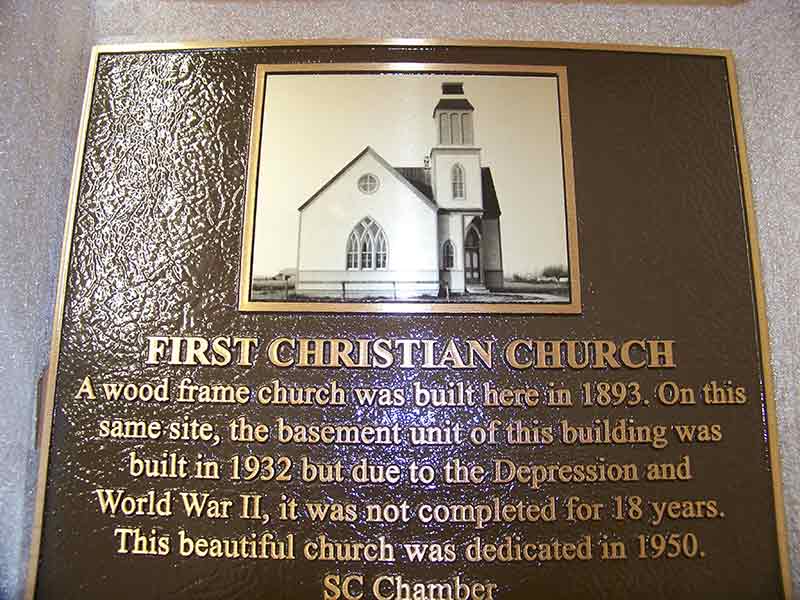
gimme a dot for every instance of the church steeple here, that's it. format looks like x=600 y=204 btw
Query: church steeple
x=456 y=159
x=453 y=117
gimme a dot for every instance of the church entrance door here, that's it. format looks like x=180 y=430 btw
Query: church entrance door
x=472 y=257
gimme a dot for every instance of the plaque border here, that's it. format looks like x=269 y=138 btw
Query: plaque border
x=573 y=306
x=47 y=408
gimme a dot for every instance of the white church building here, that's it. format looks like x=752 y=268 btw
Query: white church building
x=380 y=230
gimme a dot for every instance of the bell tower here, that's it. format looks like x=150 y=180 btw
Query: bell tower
x=453 y=116
x=455 y=159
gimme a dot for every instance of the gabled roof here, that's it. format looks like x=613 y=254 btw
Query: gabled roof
x=418 y=180
x=426 y=197
x=491 y=207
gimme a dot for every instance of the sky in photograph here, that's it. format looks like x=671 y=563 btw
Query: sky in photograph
x=315 y=124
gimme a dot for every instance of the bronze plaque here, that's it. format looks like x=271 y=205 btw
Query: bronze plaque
x=409 y=320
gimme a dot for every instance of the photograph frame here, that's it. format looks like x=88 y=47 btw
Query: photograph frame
x=247 y=304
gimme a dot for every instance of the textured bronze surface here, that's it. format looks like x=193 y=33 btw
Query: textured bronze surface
x=664 y=254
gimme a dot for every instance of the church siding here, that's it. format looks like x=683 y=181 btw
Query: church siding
x=407 y=220
x=443 y=160
x=451 y=228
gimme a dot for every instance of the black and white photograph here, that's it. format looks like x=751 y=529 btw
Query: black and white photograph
x=440 y=188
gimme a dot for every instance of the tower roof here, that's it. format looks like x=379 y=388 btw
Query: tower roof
x=453 y=97
x=453 y=104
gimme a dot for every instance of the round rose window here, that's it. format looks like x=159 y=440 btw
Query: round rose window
x=368 y=183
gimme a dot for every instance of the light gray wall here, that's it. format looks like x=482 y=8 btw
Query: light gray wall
x=43 y=64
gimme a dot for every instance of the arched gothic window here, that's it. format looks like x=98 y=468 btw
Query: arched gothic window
x=352 y=250
x=448 y=255
x=367 y=247
x=472 y=255
x=367 y=252
x=457 y=177
x=381 y=251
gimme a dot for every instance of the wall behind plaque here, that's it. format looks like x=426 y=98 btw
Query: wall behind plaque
x=43 y=68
